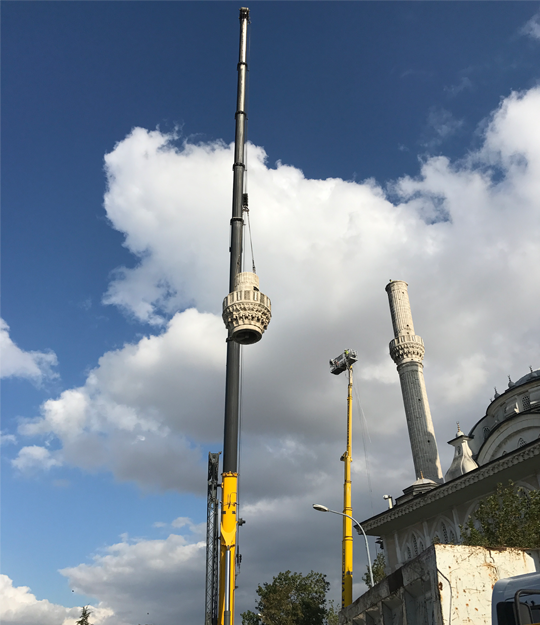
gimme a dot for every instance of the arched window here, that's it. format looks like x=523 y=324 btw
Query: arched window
x=487 y=432
x=408 y=553
x=415 y=545
x=444 y=533
x=521 y=442
x=452 y=537
x=526 y=402
x=420 y=546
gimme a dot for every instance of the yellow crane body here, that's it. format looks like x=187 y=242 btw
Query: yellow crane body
x=347 y=544
x=227 y=573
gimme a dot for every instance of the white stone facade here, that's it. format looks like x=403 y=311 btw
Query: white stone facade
x=246 y=311
x=418 y=521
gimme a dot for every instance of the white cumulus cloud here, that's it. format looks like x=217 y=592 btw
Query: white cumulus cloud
x=146 y=581
x=20 y=607
x=138 y=415
x=34 y=457
x=532 y=27
x=17 y=363
x=464 y=235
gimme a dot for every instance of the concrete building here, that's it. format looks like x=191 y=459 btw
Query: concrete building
x=444 y=585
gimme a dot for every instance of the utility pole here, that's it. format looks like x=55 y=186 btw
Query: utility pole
x=337 y=366
x=246 y=313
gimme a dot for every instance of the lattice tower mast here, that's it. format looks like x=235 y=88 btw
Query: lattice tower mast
x=212 y=538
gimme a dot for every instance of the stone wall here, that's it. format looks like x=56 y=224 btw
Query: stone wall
x=444 y=585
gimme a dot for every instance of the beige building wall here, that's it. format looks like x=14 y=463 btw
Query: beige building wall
x=445 y=585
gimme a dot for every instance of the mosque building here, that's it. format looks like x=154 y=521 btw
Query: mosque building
x=503 y=445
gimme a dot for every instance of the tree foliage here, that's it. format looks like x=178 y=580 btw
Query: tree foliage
x=510 y=517
x=378 y=570
x=332 y=613
x=292 y=599
x=85 y=616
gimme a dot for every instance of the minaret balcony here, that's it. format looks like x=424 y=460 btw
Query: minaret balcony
x=407 y=347
x=246 y=311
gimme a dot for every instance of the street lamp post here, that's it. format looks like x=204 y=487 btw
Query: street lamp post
x=357 y=527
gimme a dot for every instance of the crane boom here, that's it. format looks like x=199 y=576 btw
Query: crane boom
x=229 y=485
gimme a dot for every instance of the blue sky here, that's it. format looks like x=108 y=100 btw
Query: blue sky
x=388 y=140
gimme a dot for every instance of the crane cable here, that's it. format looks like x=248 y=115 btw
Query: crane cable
x=245 y=209
x=364 y=433
x=245 y=200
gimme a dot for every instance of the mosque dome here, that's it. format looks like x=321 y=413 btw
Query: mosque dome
x=532 y=375
x=511 y=421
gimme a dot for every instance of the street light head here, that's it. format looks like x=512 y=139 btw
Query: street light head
x=317 y=506
x=390 y=500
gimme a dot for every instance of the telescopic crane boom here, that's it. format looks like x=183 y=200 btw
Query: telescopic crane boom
x=338 y=365
x=246 y=313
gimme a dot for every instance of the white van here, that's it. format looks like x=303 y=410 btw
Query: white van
x=516 y=600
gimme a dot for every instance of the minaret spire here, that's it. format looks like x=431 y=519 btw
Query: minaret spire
x=407 y=351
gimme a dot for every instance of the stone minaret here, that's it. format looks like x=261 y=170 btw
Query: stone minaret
x=407 y=351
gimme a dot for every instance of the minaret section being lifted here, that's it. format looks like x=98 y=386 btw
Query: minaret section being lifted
x=407 y=351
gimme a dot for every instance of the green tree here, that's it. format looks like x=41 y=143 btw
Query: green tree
x=85 y=616
x=378 y=570
x=291 y=599
x=510 y=517
x=332 y=613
